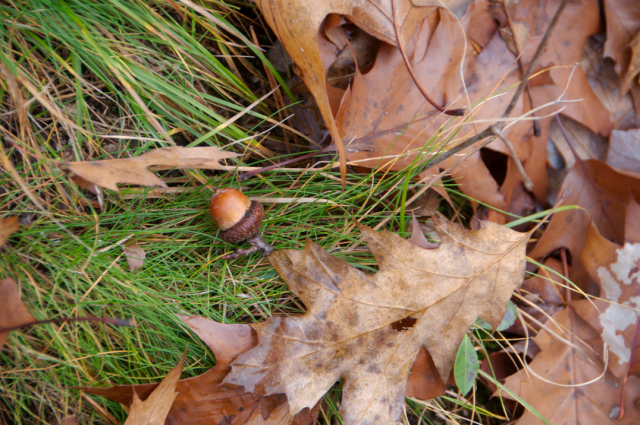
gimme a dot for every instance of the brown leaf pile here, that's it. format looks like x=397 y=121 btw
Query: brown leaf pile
x=585 y=372
x=564 y=382
x=375 y=69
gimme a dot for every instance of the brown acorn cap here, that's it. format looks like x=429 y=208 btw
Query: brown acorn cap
x=228 y=207
x=247 y=227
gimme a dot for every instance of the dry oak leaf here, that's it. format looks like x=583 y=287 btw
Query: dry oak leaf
x=578 y=22
x=135 y=255
x=204 y=399
x=605 y=83
x=154 y=410
x=634 y=64
x=8 y=225
x=108 y=173
x=388 y=120
x=299 y=25
x=568 y=229
x=624 y=150
x=617 y=269
x=623 y=23
x=12 y=312
x=565 y=400
x=348 y=331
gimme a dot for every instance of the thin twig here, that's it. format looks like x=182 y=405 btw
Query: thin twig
x=245 y=176
x=514 y=99
x=534 y=60
x=528 y=184
x=536 y=124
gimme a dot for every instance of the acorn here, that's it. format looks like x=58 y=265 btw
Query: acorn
x=239 y=220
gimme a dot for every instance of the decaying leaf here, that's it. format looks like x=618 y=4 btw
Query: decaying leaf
x=565 y=399
x=624 y=150
x=135 y=255
x=350 y=330
x=8 y=225
x=577 y=23
x=204 y=399
x=154 y=410
x=605 y=83
x=617 y=270
x=12 y=311
x=588 y=325
x=634 y=64
x=388 y=120
x=604 y=204
x=418 y=238
x=70 y=420
x=108 y=173
x=623 y=23
x=424 y=381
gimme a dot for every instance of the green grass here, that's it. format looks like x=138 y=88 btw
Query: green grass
x=151 y=76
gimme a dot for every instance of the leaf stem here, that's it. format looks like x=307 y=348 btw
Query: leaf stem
x=61 y=320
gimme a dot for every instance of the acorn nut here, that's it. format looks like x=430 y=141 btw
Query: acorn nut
x=239 y=220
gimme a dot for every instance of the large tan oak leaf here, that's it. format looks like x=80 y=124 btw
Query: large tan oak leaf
x=348 y=331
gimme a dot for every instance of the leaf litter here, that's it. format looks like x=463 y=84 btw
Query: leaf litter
x=398 y=332
x=205 y=398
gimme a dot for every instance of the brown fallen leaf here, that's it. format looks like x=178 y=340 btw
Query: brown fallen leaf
x=586 y=143
x=154 y=409
x=565 y=399
x=633 y=69
x=301 y=29
x=70 y=420
x=624 y=150
x=108 y=173
x=389 y=127
x=605 y=83
x=387 y=117
x=604 y=204
x=623 y=23
x=424 y=380
x=135 y=255
x=578 y=22
x=616 y=269
x=12 y=311
x=204 y=399
x=350 y=330
x=8 y=225
x=543 y=293
x=417 y=236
